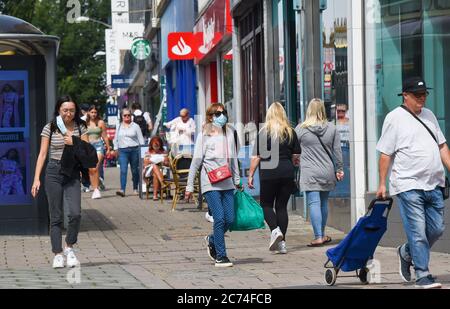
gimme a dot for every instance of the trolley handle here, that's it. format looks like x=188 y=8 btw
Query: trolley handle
x=389 y=199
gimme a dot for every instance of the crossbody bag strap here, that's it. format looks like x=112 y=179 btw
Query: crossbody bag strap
x=227 y=156
x=418 y=119
x=323 y=145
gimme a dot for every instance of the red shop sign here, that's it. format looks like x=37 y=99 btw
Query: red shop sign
x=214 y=24
x=182 y=45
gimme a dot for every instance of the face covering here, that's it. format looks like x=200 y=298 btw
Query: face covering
x=220 y=121
x=61 y=125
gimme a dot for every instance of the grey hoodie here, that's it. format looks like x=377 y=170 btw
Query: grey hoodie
x=317 y=172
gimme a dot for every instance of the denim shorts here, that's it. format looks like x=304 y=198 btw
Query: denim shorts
x=99 y=147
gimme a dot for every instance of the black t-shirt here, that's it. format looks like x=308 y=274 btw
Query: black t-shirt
x=273 y=169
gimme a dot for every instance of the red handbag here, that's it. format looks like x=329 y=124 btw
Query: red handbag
x=219 y=174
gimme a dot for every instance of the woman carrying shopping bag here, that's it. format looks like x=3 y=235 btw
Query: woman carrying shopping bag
x=215 y=153
x=274 y=153
x=319 y=171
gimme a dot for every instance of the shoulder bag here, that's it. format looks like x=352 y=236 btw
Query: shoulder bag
x=446 y=189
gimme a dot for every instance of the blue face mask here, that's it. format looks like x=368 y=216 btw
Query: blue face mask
x=61 y=125
x=220 y=121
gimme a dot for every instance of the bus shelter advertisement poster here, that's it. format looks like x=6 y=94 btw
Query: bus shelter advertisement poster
x=15 y=174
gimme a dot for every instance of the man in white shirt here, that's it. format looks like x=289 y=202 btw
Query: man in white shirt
x=415 y=158
x=142 y=119
x=182 y=129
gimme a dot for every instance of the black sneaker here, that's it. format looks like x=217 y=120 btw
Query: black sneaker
x=427 y=283
x=210 y=249
x=404 y=267
x=223 y=262
x=120 y=193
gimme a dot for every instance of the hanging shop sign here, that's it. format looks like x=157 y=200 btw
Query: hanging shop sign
x=140 y=49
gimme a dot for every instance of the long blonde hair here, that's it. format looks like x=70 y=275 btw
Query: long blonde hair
x=315 y=114
x=277 y=123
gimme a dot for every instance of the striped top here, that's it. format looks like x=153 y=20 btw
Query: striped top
x=57 y=142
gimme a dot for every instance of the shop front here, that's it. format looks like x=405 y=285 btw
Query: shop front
x=213 y=31
x=404 y=39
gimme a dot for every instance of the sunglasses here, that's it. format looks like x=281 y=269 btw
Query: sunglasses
x=420 y=94
x=219 y=113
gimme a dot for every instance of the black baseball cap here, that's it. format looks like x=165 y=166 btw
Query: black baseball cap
x=84 y=107
x=414 y=84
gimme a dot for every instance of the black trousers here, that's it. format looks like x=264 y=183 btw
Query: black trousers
x=274 y=196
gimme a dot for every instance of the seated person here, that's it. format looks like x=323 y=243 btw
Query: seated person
x=153 y=157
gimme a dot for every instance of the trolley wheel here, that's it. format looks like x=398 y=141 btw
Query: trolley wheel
x=330 y=276
x=362 y=275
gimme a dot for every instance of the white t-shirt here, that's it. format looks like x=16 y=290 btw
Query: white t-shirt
x=147 y=118
x=181 y=132
x=416 y=159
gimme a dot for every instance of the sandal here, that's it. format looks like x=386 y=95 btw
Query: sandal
x=327 y=239
x=319 y=244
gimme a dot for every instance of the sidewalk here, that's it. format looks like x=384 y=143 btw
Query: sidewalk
x=133 y=243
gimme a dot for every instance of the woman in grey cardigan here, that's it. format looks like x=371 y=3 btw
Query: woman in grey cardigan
x=318 y=171
x=216 y=147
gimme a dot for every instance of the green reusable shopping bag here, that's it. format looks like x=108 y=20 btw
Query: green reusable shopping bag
x=248 y=214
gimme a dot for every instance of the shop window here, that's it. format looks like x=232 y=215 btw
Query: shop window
x=412 y=39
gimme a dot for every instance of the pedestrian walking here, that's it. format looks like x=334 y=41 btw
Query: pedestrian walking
x=127 y=141
x=215 y=153
x=98 y=138
x=274 y=151
x=321 y=166
x=412 y=151
x=142 y=119
x=61 y=189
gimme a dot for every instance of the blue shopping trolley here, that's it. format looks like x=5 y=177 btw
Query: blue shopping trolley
x=358 y=247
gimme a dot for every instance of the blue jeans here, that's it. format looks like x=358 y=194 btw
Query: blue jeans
x=129 y=155
x=221 y=204
x=422 y=214
x=318 y=211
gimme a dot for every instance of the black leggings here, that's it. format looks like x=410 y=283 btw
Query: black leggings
x=276 y=191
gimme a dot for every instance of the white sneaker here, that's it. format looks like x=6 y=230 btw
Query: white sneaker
x=275 y=238
x=58 y=261
x=96 y=194
x=135 y=192
x=209 y=218
x=282 y=247
x=72 y=260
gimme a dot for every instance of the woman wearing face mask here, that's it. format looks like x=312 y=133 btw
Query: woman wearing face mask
x=152 y=158
x=55 y=136
x=128 y=140
x=216 y=148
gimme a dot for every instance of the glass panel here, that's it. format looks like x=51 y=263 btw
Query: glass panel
x=404 y=39
x=335 y=80
x=278 y=50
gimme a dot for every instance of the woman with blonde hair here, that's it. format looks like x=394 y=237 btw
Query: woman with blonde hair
x=275 y=148
x=319 y=171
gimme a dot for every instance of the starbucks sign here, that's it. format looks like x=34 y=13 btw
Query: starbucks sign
x=140 y=49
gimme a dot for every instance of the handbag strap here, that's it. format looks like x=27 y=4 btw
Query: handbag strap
x=418 y=119
x=323 y=145
x=226 y=149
